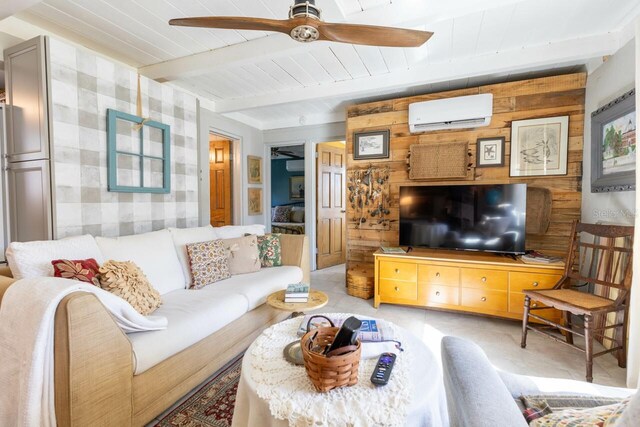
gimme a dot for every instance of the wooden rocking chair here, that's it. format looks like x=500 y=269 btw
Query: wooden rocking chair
x=601 y=256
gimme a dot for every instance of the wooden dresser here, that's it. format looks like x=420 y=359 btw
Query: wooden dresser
x=472 y=282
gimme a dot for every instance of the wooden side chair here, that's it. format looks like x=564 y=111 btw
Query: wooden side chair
x=601 y=256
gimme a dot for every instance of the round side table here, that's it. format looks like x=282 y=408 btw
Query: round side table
x=317 y=299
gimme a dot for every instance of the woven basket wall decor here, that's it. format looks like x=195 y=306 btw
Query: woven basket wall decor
x=439 y=161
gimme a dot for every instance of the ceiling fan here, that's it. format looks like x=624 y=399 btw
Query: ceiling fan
x=278 y=151
x=305 y=25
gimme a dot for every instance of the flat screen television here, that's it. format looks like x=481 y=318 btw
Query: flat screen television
x=488 y=218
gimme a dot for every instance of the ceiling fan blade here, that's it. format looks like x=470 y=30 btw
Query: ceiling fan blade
x=235 y=23
x=372 y=35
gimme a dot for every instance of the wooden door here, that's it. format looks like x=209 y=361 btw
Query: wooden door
x=220 y=181
x=331 y=206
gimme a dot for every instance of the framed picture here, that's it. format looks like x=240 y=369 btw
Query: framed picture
x=296 y=188
x=371 y=145
x=539 y=146
x=613 y=145
x=254 y=168
x=490 y=152
x=255 y=201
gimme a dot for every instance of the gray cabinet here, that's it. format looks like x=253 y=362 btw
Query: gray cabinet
x=29 y=188
x=27 y=113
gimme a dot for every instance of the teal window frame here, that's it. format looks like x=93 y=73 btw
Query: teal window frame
x=112 y=153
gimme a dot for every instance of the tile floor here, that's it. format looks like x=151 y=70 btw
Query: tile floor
x=500 y=339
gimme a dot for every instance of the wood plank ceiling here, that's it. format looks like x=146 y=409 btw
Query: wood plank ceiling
x=271 y=81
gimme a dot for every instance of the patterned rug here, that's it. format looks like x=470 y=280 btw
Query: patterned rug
x=212 y=405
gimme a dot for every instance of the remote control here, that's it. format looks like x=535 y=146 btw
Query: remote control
x=383 y=368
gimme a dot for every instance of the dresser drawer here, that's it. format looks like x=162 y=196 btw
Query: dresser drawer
x=484 y=279
x=520 y=281
x=484 y=299
x=516 y=304
x=394 y=289
x=438 y=275
x=437 y=294
x=398 y=271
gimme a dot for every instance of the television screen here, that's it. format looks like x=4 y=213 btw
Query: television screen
x=487 y=218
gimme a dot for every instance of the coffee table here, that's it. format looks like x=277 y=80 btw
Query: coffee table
x=269 y=385
x=317 y=299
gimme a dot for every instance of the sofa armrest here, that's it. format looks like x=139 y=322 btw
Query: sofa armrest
x=93 y=365
x=476 y=396
x=295 y=251
x=6 y=280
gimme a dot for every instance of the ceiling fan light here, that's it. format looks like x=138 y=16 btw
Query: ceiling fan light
x=305 y=34
x=304 y=9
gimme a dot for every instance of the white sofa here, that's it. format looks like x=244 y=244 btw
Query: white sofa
x=198 y=320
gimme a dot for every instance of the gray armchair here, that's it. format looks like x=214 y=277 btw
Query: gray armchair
x=478 y=395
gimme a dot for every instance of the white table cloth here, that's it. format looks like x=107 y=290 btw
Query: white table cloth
x=427 y=406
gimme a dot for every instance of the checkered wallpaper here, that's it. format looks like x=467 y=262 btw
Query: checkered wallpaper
x=83 y=87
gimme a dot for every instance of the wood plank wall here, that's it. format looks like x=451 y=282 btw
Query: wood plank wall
x=562 y=95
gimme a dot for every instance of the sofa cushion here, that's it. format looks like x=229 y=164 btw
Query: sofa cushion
x=33 y=259
x=597 y=416
x=126 y=280
x=233 y=231
x=83 y=270
x=270 y=250
x=244 y=256
x=184 y=236
x=154 y=253
x=192 y=315
x=256 y=287
x=209 y=263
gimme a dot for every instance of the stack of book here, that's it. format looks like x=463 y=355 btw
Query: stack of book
x=297 y=293
x=535 y=257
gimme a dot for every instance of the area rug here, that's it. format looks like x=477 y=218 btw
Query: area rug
x=212 y=405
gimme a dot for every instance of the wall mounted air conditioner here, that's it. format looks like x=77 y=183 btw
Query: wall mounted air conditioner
x=295 y=165
x=452 y=113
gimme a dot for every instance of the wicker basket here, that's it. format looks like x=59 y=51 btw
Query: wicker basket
x=360 y=282
x=327 y=373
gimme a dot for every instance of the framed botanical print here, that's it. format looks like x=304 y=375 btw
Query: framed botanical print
x=490 y=152
x=613 y=145
x=539 y=147
x=254 y=168
x=255 y=201
x=296 y=188
x=371 y=145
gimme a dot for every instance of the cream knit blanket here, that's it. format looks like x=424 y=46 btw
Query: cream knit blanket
x=26 y=344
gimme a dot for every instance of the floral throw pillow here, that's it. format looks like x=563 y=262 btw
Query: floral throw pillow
x=84 y=270
x=270 y=250
x=282 y=214
x=209 y=263
x=598 y=416
x=126 y=280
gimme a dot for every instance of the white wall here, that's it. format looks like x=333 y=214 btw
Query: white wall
x=309 y=136
x=610 y=80
x=250 y=144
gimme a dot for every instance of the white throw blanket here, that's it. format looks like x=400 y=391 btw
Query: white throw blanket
x=26 y=344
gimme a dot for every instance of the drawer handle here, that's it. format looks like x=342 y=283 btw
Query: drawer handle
x=396 y=288
x=438 y=293
x=484 y=279
x=397 y=270
x=437 y=274
x=535 y=284
x=534 y=305
x=483 y=299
